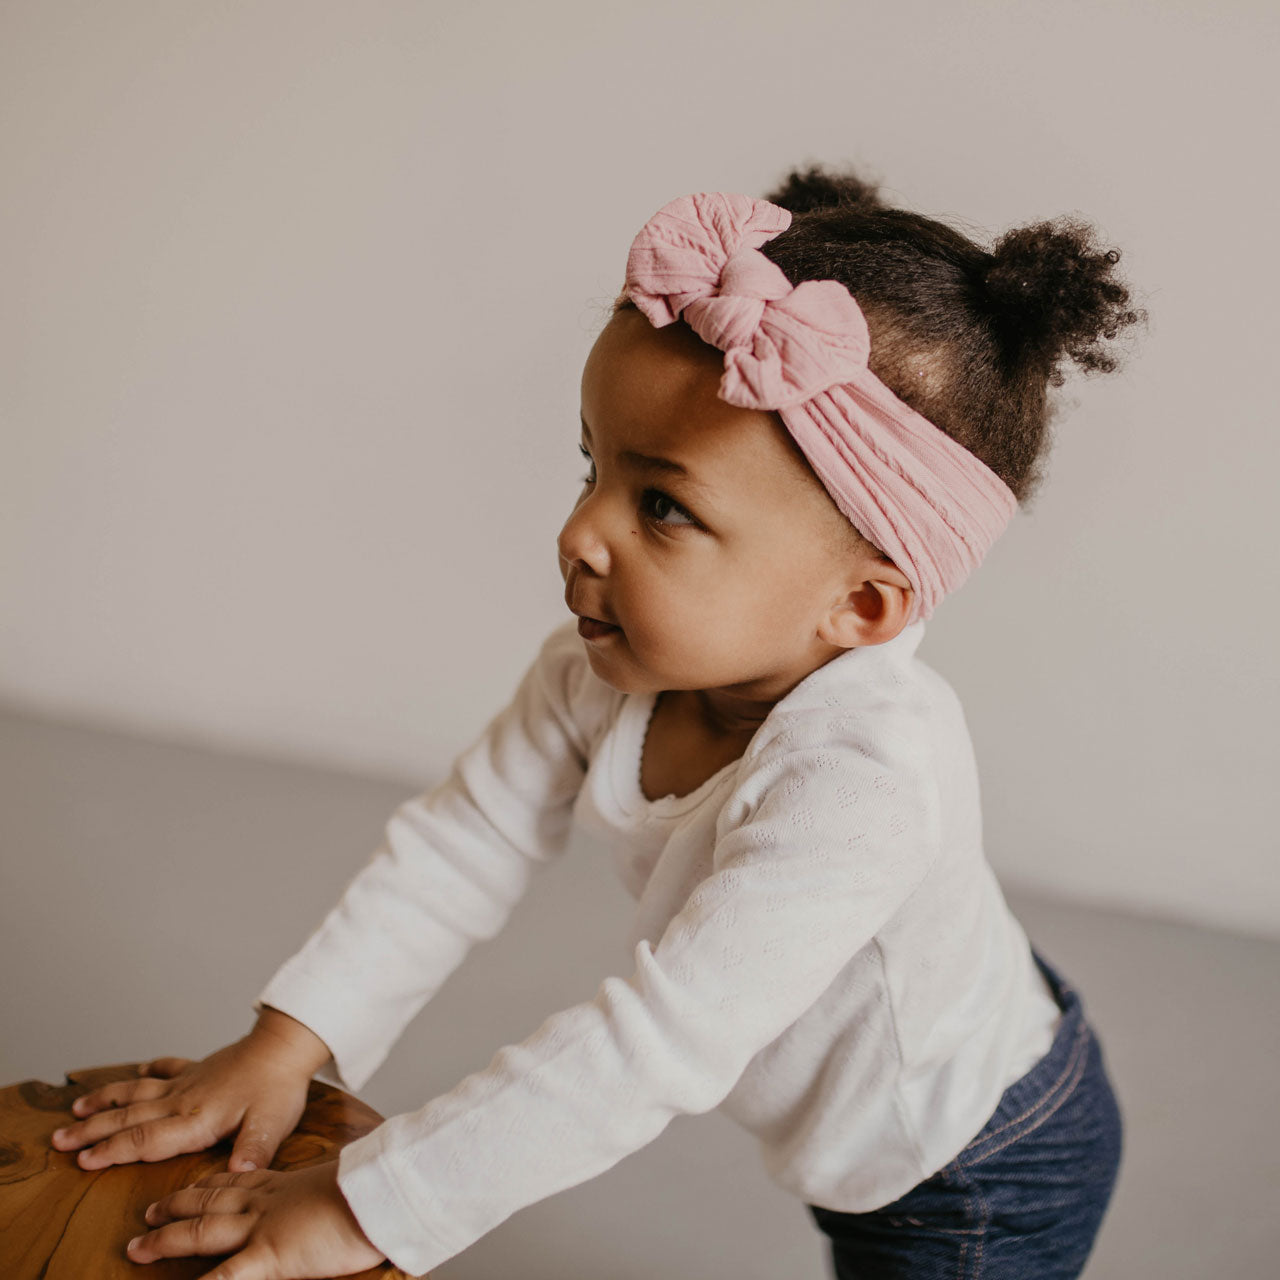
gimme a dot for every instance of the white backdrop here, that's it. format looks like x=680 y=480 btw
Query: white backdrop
x=296 y=297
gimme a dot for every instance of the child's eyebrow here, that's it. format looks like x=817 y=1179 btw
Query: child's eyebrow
x=649 y=461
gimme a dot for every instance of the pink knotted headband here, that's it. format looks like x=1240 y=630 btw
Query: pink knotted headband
x=930 y=505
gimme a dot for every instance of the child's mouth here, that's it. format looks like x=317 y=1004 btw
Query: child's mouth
x=592 y=629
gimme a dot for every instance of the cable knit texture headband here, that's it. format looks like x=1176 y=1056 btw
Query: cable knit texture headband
x=928 y=503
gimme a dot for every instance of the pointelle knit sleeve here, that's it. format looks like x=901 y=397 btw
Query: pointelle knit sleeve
x=818 y=847
x=451 y=867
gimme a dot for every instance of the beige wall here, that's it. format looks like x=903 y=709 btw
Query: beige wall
x=295 y=297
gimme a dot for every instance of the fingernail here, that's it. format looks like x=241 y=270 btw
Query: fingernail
x=59 y=1134
x=134 y=1243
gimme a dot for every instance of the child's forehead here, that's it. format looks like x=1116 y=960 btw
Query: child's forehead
x=656 y=391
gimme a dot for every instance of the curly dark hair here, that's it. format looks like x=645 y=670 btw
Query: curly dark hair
x=971 y=338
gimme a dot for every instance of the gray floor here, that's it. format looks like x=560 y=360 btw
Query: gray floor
x=147 y=891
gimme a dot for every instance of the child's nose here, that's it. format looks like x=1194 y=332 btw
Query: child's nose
x=581 y=542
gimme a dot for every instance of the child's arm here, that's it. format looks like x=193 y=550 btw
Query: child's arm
x=452 y=866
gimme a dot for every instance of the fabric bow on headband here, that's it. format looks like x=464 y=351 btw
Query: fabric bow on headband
x=928 y=503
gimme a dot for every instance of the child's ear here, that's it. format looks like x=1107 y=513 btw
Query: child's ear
x=872 y=611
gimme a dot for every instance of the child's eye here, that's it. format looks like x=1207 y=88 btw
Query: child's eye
x=656 y=500
x=652 y=500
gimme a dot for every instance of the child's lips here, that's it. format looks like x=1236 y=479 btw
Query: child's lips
x=594 y=629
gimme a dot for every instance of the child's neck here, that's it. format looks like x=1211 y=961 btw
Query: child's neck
x=724 y=715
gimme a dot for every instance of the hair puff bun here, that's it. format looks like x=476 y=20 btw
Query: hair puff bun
x=816 y=188
x=1053 y=294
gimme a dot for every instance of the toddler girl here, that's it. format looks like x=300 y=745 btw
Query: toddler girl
x=807 y=421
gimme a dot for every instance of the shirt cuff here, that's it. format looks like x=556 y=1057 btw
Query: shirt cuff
x=314 y=1005
x=368 y=1179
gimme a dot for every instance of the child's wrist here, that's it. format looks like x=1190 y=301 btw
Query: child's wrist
x=288 y=1039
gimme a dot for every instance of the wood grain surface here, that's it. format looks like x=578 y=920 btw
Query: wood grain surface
x=61 y=1222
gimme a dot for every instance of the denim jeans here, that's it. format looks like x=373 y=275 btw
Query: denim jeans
x=1025 y=1198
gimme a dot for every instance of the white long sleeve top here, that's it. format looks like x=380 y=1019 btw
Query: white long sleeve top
x=821 y=950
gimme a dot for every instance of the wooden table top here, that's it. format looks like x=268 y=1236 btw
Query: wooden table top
x=61 y=1222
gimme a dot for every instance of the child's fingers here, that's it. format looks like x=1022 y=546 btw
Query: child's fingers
x=261 y=1134
x=102 y=1124
x=192 y=1202
x=118 y=1095
x=166 y=1068
x=156 y=1139
x=210 y=1233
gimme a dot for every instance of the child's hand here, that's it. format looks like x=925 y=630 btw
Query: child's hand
x=286 y=1226
x=257 y=1085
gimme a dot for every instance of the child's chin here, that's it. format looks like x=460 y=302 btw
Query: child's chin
x=604 y=663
